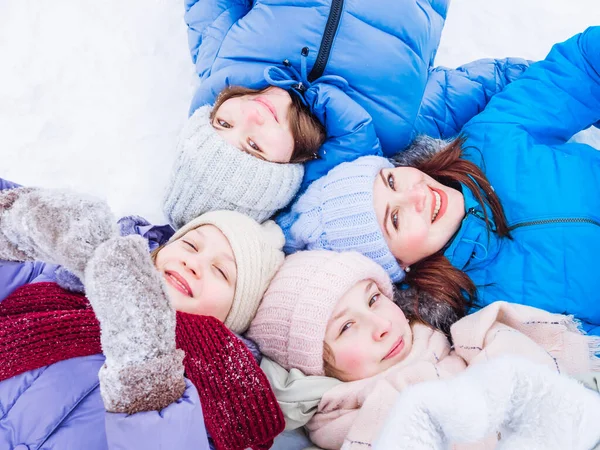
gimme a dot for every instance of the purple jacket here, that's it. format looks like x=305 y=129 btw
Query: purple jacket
x=59 y=406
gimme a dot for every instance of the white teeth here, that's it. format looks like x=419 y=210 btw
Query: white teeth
x=438 y=203
x=179 y=283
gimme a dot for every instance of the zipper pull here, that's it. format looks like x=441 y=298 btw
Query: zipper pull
x=475 y=213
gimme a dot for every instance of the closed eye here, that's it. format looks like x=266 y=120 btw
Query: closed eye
x=222 y=273
x=190 y=244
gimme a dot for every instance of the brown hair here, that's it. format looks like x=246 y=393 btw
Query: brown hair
x=435 y=277
x=329 y=363
x=308 y=133
x=154 y=253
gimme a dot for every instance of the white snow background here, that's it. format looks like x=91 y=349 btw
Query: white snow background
x=94 y=93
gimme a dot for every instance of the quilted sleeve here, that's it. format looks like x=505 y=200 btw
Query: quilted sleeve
x=555 y=98
x=208 y=21
x=350 y=131
x=453 y=96
x=179 y=426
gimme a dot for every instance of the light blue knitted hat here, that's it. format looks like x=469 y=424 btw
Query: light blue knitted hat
x=336 y=213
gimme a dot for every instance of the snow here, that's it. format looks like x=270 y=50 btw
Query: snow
x=93 y=94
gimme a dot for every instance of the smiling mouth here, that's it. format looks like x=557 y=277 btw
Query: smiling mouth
x=267 y=104
x=436 y=206
x=178 y=282
x=396 y=349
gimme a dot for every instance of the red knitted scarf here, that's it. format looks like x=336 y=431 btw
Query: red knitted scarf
x=41 y=324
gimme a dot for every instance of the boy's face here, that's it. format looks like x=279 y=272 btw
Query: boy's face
x=367 y=333
x=258 y=124
x=200 y=272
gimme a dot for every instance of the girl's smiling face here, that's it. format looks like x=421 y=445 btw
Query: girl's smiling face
x=416 y=214
x=258 y=124
x=200 y=272
x=367 y=333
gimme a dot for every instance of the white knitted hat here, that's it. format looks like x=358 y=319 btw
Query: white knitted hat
x=291 y=321
x=258 y=255
x=210 y=174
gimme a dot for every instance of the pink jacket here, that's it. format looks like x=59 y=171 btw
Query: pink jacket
x=356 y=410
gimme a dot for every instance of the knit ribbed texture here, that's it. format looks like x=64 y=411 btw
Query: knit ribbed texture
x=291 y=321
x=210 y=174
x=258 y=254
x=337 y=213
x=41 y=324
x=244 y=412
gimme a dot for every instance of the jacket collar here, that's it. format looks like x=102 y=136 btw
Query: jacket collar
x=472 y=244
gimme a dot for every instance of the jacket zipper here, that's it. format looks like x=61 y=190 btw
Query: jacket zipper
x=335 y=13
x=476 y=213
x=547 y=221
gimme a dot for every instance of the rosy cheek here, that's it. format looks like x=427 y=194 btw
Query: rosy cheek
x=412 y=241
x=350 y=360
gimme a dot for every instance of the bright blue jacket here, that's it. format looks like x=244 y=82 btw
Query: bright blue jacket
x=366 y=72
x=58 y=407
x=550 y=188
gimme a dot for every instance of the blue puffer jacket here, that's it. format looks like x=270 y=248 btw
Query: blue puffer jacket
x=549 y=188
x=363 y=67
x=59 y=406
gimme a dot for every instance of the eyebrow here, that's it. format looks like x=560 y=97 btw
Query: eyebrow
x=369 y=286
x=338 y=315
x=387 y=207
x=200 y=237
x=229 y=258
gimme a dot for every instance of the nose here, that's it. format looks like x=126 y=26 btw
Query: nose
x=254 y=115
x=193 y=264
x=381 y=327
x=415 y=196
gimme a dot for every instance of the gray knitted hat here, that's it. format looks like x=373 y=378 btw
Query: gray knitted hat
x=210 y=174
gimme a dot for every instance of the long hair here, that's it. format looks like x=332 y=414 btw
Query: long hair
x=435 y=278
x=308 y=133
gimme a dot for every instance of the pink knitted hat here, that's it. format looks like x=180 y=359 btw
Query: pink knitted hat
x=290 y=324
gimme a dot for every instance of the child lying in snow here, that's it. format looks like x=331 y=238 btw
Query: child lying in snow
x=268 y=104
x=333 y=314
x=51 y=340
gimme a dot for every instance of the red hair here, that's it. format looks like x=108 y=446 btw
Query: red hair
x=435 y=277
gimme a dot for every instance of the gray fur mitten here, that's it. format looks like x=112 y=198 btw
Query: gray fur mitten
x=522 y=405
x=53 y=226
x=143 y=369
